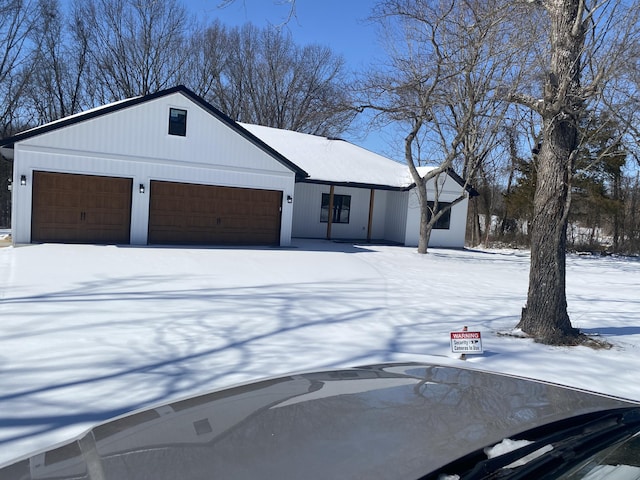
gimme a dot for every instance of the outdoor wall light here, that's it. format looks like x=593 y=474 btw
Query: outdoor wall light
x=289 y=199
x=23 y=180
x=141 y=188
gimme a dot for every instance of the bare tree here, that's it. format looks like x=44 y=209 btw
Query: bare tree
x=583 y=50
x=205 y=68
x=290 y=7
x=18 y=45
x=260 y=76
x=137 y=46
x=17 y=48
x=445 y=57
x=57 y=86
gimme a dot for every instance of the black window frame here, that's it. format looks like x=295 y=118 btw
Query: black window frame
x=178 y=127
x=341 y=204
x=444 y=222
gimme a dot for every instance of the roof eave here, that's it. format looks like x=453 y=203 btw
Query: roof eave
x=459 y=180
x=368 y=186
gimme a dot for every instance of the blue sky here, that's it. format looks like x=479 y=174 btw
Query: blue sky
x=340 y=24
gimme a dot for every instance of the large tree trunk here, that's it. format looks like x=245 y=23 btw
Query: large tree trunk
x=425 y=228
x=545 y=315
x=474 y=222
x=425 y=235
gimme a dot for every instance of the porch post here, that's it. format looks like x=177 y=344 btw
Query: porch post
x=369 y=226
x=330 y=217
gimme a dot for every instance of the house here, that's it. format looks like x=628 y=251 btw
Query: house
x=169 y=168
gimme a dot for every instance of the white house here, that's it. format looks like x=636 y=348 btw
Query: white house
x=169 y=168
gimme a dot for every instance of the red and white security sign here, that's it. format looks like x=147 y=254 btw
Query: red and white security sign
x=466 y=342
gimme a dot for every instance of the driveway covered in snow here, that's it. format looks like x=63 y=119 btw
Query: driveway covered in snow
x=89 y=332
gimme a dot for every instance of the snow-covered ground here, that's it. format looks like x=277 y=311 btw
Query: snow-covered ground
x=90 y=332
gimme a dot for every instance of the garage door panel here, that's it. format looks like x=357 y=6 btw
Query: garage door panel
x=108 y=201
x=53 y=216
x=165 y=222
x=106 y=220
x=202 y=221
x=60 y=233
x=80 y=208
x=106 y=235
x=206 y=214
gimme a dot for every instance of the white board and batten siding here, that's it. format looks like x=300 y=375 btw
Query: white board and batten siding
x=308 y=205
x=134 y=143
x=453 y=237
x=396 y=215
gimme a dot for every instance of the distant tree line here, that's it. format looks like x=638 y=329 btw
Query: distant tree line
x=604 y=216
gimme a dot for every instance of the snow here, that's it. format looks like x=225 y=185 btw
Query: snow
x=505 y=446
x=508 y=445
x=333 y=160
x=90 y=332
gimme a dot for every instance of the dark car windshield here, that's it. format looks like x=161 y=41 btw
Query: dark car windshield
x=602 y=445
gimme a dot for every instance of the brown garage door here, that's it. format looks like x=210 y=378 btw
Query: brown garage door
x=80 y=208
x=183 y=213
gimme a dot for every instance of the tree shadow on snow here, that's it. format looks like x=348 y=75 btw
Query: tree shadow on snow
x=611 y=331
x=195 y=340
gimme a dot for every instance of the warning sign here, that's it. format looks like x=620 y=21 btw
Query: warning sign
x=466 y=342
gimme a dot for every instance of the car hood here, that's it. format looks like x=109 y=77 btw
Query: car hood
x=380 y=421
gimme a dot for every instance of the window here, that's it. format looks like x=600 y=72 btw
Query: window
x=445 y=220
x=177 y=122
x=341 y=208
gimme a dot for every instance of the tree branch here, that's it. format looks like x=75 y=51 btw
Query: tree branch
x=535 y=104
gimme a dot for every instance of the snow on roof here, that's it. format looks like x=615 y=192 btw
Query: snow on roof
x=331 y=160
x=70 y=118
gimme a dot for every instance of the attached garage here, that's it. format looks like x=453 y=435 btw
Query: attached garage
x=80 y=208
x=166 y=168
x=181 y=213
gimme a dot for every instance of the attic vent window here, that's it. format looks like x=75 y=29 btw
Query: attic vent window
x=177 y=122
